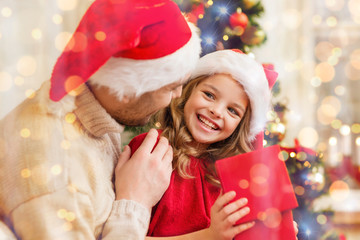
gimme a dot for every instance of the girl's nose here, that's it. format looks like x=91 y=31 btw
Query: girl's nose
x=216 y=110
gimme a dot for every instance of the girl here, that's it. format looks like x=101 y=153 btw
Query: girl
x=222 y=108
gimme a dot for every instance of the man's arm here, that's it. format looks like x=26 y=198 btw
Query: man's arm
x=140 y=182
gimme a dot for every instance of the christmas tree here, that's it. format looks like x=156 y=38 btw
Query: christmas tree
x=226 y=24
x=308 y=176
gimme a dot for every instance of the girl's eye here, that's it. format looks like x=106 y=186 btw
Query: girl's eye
x=209 y=95
x=233 y=111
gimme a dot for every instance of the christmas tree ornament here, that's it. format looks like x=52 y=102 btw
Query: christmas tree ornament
x=238 y=22
x=250 y=3
x=253 y=36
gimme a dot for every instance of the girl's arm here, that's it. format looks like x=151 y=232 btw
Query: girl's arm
x=223 y=219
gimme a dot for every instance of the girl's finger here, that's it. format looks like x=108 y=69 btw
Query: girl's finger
x=233 y=218
x=223 y=199
x=242 y=227
x=234 y=206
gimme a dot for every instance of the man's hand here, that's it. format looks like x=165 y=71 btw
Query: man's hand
x=145 y=176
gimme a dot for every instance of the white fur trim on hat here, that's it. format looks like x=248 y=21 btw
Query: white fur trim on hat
x=129 y=77
x=249 y=73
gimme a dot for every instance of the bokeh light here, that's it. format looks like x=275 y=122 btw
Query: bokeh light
x=308 y=137
x=292 y=18
x=67 y=5
x=6 y=12
x=325 y=71
x=339 y=190
x=26 y=66
x=61 y=40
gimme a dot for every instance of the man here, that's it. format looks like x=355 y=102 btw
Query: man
x=126 y=60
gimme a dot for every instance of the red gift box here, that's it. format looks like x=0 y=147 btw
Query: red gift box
x=261 y=176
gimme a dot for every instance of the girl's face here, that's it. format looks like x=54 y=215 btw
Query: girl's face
x=215 y=108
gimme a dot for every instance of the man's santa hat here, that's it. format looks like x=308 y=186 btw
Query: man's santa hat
x=130 y=46
x=256 y=79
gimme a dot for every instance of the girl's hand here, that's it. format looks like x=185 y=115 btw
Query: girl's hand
x=224 y=216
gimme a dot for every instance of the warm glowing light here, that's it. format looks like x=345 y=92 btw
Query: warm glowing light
x=321 y=219
x=244 y=184
x=6 y=12
x=19 y=81
x=316 y=19
x=292 y=18
x=354 y=9
x=332 y=141
x=355 y=128
x=25 y=133
x=331 y=21
x=340 y=90
x=292 y=154
x=70 y=216
x=330 y=106
x=100 y=36
x=301 y=156
x=299 y=190
x=345 y=130
x=61 y=213
x=323 y=50
x=339 y=190
x=308 y=137
x=284 y=155
x=61 y=40
x=352 y=72
x=315 y=82
x=36 y=33
x=77 y=43
x=57 y=19
x=25 y=173
x=56 y=169
x=259 y=173
x=26 y=66
x=67 y=5
x=210 y=2
x=70 y=118
x=334 y=5
x=325 y=71
x=72 y=83
x=273 y=218
x=357 y=141
x=30 y=93
x=225 y=37
x=336 y=124
x=5 y=81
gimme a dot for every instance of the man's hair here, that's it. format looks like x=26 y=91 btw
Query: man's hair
x=174 y=128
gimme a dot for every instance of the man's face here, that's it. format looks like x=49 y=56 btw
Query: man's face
x=137 y=111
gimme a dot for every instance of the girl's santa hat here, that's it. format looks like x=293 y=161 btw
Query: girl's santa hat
x=130 y=46
x=257 y=80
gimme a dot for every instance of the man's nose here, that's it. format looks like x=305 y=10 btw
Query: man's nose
x=177 y=92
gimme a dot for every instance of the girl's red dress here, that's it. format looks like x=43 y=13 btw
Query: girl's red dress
x=186 y=204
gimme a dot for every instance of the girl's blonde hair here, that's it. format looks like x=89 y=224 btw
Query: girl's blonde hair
x=174 y=128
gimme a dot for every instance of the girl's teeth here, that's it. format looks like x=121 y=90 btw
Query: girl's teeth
x=207 y=123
